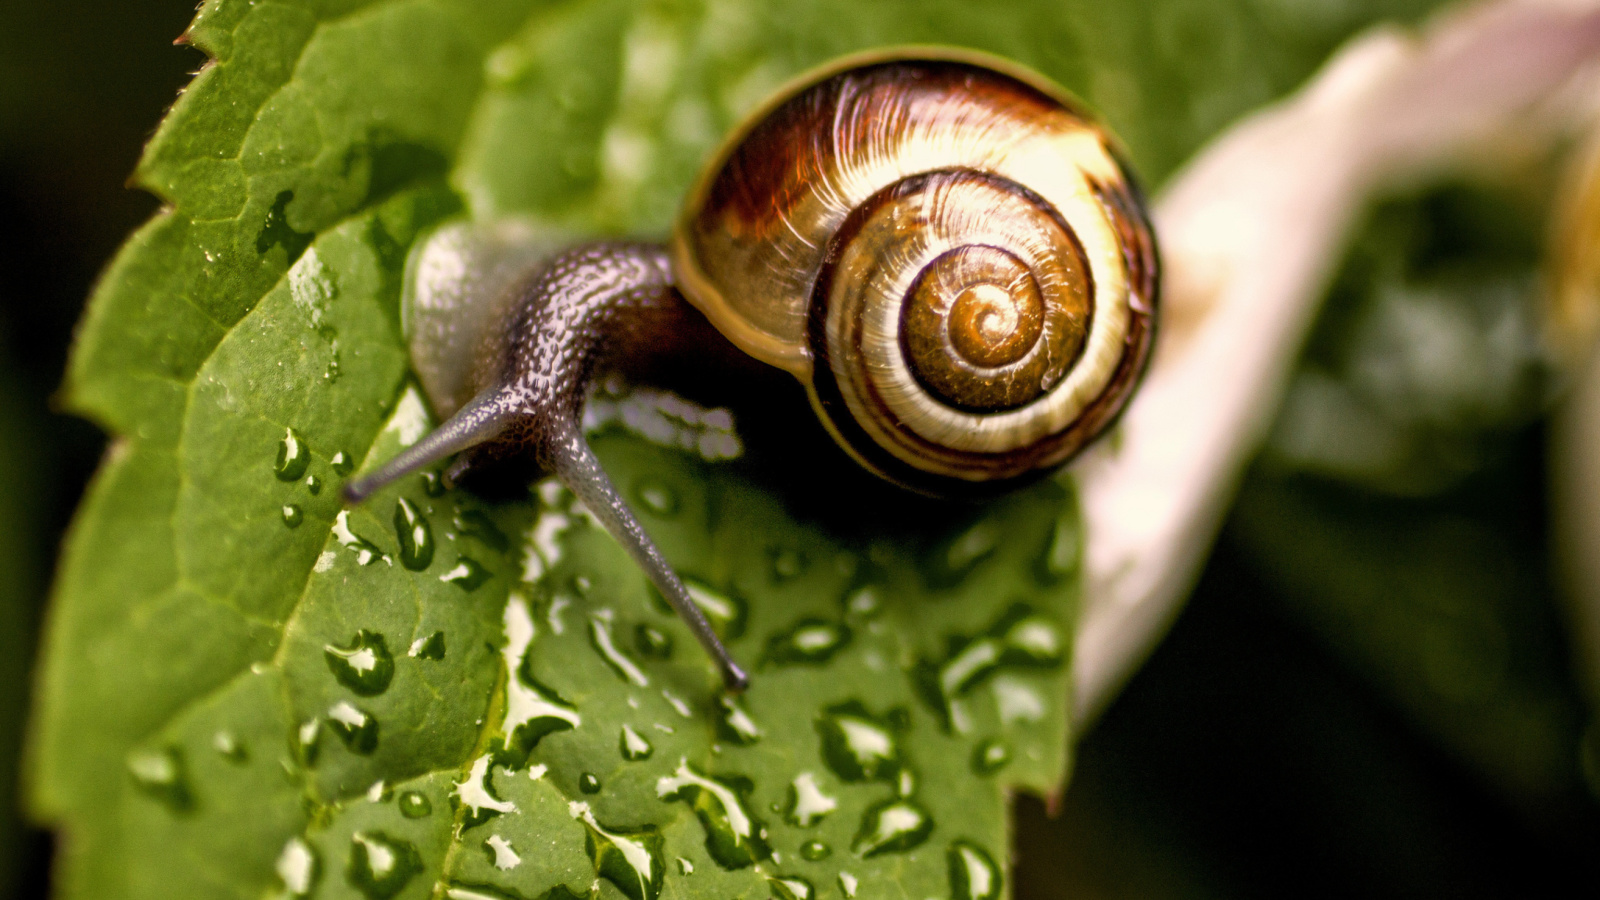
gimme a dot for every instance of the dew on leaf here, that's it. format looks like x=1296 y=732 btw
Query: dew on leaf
x=430 y=647
x=468 y=574
x=633 y=745
x=476 y=524
x=341 y=463
x=501 y=854
x=725 y=612
x=532 y=710
x=685 y=867
x=366 y=551
x=293 y=515
x=313 y=485
x=415 y=536
x=600 y=636
x=1017 y=701
x=293 y=457
x=651 y=642
x=358 y=730
x=1063 y=555
x=628 y=858
x=847 y=885
x=657 y=496
x=380 y=866
x=365 y=665
x=379 y=792
x=228 y=745
x=1019 y=638
x=589 y=783
x=734 y=838
x=811 y=641
x=678 y=705
x=734 y=724
x=814 y=851
x=864 y=602
x=414 y=805
x=307 y=742
x=962 y=554
x=990 y=755
x=973 y=873
x=807 y=803
x=162 y=774
x=791 y=887
x=475 y=795
x=297 y=867
x=856 y=745
x=892 y=827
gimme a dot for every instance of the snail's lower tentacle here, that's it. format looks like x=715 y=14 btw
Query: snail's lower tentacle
x=569 y=455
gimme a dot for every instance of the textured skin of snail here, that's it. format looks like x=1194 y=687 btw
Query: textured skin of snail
x=947 y=254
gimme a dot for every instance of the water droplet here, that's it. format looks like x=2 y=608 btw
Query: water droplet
x=532 y=710
x=788 y=564
x=293 y=516
x=342 y=464
x=892 y=827
x=815 y=850
x=293 y=457
x=380 y=865
x=847 y=885
x=468 y=574
x=475 y=795
x=990 y=756
x=476 y=524
x=628 y=858
x=358 y=730
x=380 y=792
x=307 y=742
x=1016 y=701
x=314 y=485
x=962 y=554
x=501 y=854
x=856 y=745
x=1019 y=638
x=734 y=838
x=652 y=643
x=365 y=666
x=229 y=746
x=810 y=641
x=600 y=636
x=734 y=724
x=415 y=534
x=973 y=873
x=1063 y=555
x=366 y=551
x=864 y=602
x=414 y=805
x=589 y=783
x=726 y=612
x=1034 y=640
x=807 y=803
x=791 y=887
x=430 y=647
x=685 y=867
x=297 y=867
x=633 y=745
x=161 y=774
x=432 y=484
x=657 y=496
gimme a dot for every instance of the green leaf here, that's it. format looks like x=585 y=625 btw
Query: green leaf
x=248 y=690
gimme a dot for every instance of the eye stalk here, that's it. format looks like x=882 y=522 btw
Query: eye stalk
x=969 y=298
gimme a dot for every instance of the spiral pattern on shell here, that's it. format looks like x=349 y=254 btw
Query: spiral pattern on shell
x=949 y=255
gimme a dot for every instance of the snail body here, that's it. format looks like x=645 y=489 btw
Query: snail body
x=944 y=249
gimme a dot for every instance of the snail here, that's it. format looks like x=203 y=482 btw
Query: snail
x=943 y=248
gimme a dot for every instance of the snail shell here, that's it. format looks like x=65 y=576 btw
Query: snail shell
x=945 y=249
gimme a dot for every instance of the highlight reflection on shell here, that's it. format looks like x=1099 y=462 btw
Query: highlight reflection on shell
x=949 y=255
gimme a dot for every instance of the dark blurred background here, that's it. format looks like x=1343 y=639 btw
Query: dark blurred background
x=1369 y=694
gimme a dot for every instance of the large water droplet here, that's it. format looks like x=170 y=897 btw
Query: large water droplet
x=807 y=803
x=892 y=827
x=973 y=874
x=380 y=866
x=633 y=745
x=856 y=745
x=297 y=867
x=532 y=710
x=357 y=729
x=791 y=887
x=989 y=756
x=601 y=637
x=414 y=805
x=468 y=574
x=342 y=464
x=366 y=551
x=734 y=724
x=589 y=783
x=502 y=855
x=430 y=647
x=474 y=795
x=628 y=858
x=811 y=641
x=161 y=773
x=847 y=885
x=293 y=515
x=365 y=666
x=415 y=534
x=293 y=457
x=734 y=838
x=815 y=850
